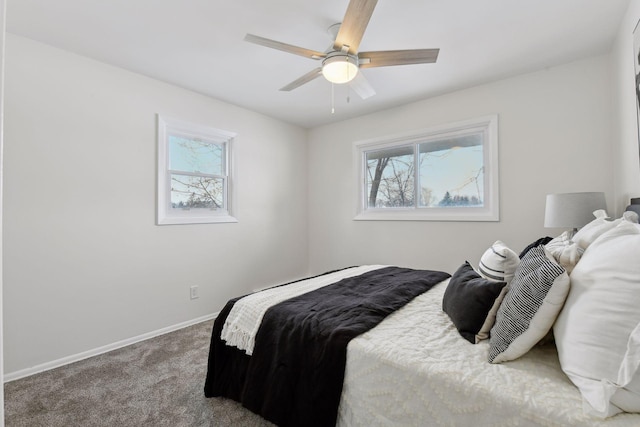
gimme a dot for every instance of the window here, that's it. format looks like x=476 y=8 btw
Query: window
x=448 y=173
x=194 y=173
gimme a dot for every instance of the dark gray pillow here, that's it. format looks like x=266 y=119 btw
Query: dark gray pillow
x=540 y=241
x=468 y=299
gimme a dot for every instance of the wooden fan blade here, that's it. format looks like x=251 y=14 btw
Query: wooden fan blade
x=361 y=86
x=304 y=79
x=353 y=25
x=307 y=53
x=384 y=58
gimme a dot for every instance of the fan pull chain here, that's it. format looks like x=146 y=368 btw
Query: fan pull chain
x=348 y=86
x=333 y=110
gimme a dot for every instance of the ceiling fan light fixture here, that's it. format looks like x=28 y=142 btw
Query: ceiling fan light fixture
x=340 y=67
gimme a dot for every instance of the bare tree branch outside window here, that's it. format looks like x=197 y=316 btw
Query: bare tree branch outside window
x=196 y=177
x=391 y=180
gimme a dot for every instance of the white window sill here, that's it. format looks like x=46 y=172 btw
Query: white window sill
x=438 y=214
x=197 y=220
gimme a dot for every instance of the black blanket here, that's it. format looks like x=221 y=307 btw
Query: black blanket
x=294 y=377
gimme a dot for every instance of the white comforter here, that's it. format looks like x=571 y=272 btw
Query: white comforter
x=414 y=369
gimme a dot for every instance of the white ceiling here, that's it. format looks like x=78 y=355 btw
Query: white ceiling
x=198 y=44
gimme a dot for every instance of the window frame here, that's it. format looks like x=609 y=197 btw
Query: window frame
x=165 y=214
x=488 y=125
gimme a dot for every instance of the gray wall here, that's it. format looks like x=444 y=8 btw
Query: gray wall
x=624 y=136
x=554 y=126
x=85 y=264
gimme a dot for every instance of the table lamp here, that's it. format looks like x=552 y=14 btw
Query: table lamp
x=572 y=210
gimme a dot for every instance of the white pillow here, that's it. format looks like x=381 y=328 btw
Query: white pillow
x=598 y=331
x=498 y=263
x=565 y=251
x=531 y=305
x=590 y=232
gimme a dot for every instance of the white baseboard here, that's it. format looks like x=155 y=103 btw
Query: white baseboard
x=12 y=376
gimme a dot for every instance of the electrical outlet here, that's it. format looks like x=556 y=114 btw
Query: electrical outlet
x=193 y=291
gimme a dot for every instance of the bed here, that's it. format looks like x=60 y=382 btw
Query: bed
x=414 y=369
x=416 y=364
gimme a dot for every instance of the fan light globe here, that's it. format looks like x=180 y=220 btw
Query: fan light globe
x=340 y=68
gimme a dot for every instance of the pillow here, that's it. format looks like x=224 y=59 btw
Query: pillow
x=590 y=232
x=530 y=307
x=565 y=251
x=485 y=330
x=598 y=331
x=498 y=263
x=468 y=299
x=540 y=241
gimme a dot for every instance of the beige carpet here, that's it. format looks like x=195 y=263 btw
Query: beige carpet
x=158 y=382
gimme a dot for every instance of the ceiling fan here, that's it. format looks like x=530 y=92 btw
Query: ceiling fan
x=342 y=61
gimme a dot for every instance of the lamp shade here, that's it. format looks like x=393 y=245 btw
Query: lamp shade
x=572 y=210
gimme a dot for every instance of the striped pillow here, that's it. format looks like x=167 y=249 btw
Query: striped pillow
x=530 y=308
x=498 y=263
